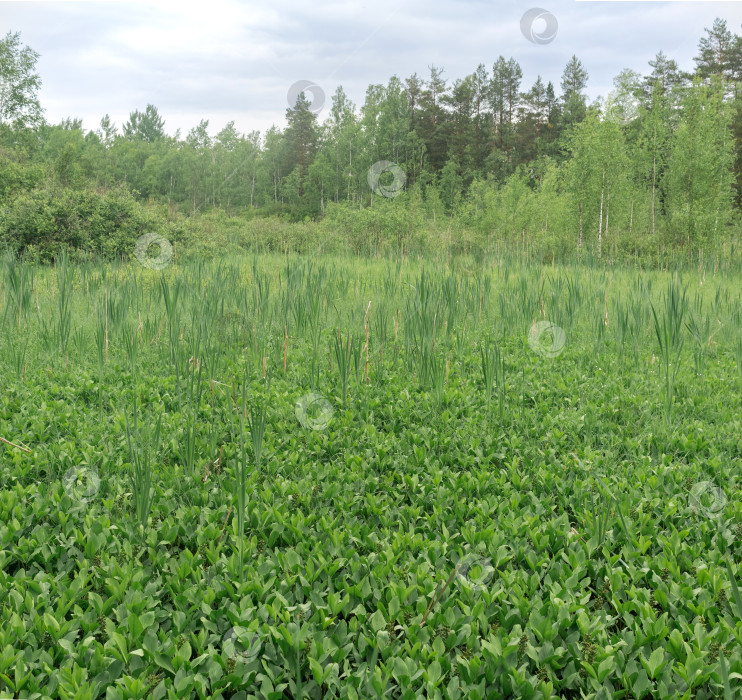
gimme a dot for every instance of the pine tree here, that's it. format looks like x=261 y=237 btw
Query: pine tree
x=300 y=139
x=665 y=76
x=534 y=117
x=433 y=118
x=480 y=81
x=715 y=52
x=461 y=103
x=574 y=82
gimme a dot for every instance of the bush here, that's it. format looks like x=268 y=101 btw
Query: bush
x=45 y=221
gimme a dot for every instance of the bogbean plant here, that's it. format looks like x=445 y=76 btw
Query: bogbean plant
x=605 y=512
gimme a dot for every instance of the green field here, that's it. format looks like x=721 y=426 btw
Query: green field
x=281 y=477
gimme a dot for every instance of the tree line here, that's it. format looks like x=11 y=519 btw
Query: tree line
x=656 y=165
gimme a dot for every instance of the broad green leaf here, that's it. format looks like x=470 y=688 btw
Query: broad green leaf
x=377 y=621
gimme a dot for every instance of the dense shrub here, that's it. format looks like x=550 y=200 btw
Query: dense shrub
x=16 y=175
x=44 y=221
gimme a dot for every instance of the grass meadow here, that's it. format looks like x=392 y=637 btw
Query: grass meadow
x=289 y=477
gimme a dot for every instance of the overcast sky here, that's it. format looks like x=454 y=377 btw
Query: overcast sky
x=225 y=59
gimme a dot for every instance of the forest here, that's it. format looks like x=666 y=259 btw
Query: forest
x=473 y=164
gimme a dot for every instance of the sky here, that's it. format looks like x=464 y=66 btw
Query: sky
x=225 y=60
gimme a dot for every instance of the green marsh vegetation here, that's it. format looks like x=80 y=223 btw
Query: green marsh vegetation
x=487 y=479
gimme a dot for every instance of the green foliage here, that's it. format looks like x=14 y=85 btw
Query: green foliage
x=415 y=542
x=698 y=181
x=43 y=222
x=651 y=173
x=19 y=83
x=143 y=446
x=17 y=174
x=668 y=329
x=147 y=126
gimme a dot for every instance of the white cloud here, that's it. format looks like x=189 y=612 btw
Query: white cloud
x=226 y=59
